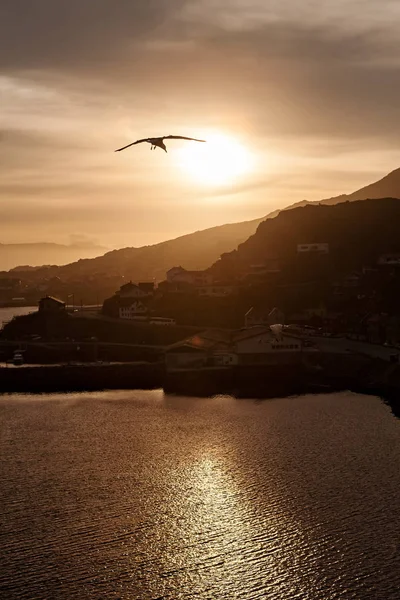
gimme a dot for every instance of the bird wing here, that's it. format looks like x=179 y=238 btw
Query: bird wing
x=181 y=137
x=132 y=144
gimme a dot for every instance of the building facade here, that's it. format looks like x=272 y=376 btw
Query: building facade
x=262 y=346
x=49 y=304
x=132 y=310
x=195 y=278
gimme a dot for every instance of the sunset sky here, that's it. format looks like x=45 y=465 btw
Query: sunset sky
x=297 y=99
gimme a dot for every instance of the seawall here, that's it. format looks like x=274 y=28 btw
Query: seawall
x=59 y=378
x=319 y=373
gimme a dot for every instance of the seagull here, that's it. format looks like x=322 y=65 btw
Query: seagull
x=158 y=142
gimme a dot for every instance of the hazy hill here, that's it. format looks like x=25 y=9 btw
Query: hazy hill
x=357 y=233
x=196 y=250
x=387 y=187
x=12 y=255
x=193 y=251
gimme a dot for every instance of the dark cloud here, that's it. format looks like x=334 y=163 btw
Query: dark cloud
x=85 y=73
x=55 y=33
x=305 y=80
x=290 y=78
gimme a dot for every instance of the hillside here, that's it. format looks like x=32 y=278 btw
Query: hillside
x=387 y=187
x=357 y=233
x=196 y=250
x=12 y=255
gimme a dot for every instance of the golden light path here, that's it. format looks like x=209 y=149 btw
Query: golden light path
x=220 y=161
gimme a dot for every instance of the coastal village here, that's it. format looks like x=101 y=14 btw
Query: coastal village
x=278 y=299
x=266 y=336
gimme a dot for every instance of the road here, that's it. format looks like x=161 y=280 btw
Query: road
x=343 y=345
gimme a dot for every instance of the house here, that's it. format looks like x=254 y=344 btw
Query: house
x=198 y=350
x=261 y=345
x=313 y=248
x=195 y=278
x=257 y=316
x=185 y=355
x=147 y=287
x=132 y=309
x=389 y=259
x=49 y=304
x=162 y=321
x=131 y=290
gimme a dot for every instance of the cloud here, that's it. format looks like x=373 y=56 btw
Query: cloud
x=55 y=33
x=318 y=81
x=288 y=67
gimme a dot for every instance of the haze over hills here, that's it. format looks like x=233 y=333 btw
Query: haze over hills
x=194 y=251
x=36 y=254
x=387 y=187
x=197 y=250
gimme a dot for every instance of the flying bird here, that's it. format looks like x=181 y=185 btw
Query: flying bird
x=158 y=142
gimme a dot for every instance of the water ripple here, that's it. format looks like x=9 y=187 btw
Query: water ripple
x=130 y=495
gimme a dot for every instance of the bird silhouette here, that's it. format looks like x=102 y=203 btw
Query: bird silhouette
x=158 y=142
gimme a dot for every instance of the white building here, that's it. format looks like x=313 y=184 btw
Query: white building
x=185 y=356
x=262 y=346
x=162 y=321
x=389 y=259
x=205 y=348
x=133 y=310
x=320 y=248
x=196 y=278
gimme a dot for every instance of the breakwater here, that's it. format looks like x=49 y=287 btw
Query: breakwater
x=85 y=377
x=320 y=372
x=241 y=381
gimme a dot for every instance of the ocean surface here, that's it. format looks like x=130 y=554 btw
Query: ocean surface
x=6 y=314
x=138 y=495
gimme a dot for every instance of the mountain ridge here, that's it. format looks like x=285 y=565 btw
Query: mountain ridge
x=40 y=253
x=356 y=233
x=200 y=249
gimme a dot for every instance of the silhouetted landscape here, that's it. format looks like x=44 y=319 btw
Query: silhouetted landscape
x=199 y=300
x=35 y=255
x=94 y=279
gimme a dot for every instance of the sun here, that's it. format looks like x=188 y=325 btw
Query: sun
x=220 y=161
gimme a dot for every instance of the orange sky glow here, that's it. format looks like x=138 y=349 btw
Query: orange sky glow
x=295 y=104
